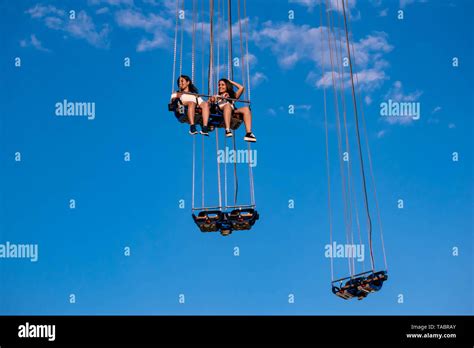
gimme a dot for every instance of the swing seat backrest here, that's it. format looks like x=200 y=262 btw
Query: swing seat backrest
x=209 y=221
x=242 y=219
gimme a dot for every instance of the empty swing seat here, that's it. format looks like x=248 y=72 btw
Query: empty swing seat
x=242 y=219
x=216 y=117
x=209 y=221
x=362 y=286
x=226 y=222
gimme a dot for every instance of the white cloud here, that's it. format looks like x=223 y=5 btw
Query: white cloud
x=381 y=134
x=40 y=11
x=404 y=3
x=383 y=13
x=257 y=78
x=334 y=4
x=436 y=109
x=368 y=100
x=366 y=80
x=102 y=10
x=133 y=19
x=155 y=24
x=304 y=107
x=112 y=2
x=147 y=45
x=34 y=42
x=82 y=27
x=271 y=112
x=292 y=44
x=397 y=94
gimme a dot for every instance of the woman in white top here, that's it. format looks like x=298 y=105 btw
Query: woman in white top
x=186 y=86
x=226 y=90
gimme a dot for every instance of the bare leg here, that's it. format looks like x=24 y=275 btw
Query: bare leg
x=247 y=115
x=205 y=113
x=191 y=110
x=227 y=115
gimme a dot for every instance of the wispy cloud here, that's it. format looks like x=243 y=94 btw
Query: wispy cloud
x=436 y=109
x=111 y=2
x=405 y=3
x=383 y=13
x=333 y=4
x=41 y=11
x=81 y=27
x=33 y=41
x=257 y=78
x=381 y=134
x=271 y=112
x=157 y=26
x=293 y=44
x=396 y=93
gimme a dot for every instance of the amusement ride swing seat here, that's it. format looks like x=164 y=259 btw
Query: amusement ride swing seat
x=216 y=116
x=360 y=285
x=224 y=221
x=223 y=218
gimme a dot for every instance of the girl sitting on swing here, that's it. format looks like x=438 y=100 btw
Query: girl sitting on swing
x=186 y=86
x=226 y=90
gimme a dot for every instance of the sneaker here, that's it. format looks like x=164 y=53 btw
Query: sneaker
x=205 y=131
x=228 y=133
x=193 y=130
x=250 y=137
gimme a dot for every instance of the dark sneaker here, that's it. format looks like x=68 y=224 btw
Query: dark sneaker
x=193 y=130
x=205 y=131
x=228 y=133
x=250 y=137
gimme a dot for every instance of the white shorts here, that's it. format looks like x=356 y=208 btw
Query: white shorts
x=223 y=103
x=188 y=98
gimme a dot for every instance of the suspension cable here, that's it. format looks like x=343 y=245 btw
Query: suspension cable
x=193 y=50
x=339 y=136
x=364 y=128
x=202 y=79
x=243 y=63
x=247 y=48
x=181 y=43
x=352 y=192
x=340 y=72
x=328 y=171
x=231 y=69
x=173 y=79
x=369 y=221
x=194 y=172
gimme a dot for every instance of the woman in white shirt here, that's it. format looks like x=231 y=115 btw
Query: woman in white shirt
x=186 y=87
x=226 y=90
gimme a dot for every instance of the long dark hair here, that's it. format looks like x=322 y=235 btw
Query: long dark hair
x=229 y=88
x=191 y=86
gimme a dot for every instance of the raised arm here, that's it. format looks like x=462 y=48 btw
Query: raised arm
x=240 y=89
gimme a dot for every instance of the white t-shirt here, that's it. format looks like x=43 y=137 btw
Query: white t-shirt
x=188 y=98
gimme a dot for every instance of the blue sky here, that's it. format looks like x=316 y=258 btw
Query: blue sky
x=136 y=204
